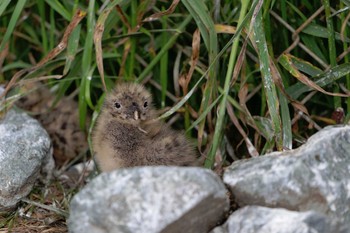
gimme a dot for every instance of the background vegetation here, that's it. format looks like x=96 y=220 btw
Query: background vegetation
x=242 y=78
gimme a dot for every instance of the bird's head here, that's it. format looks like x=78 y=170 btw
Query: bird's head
x=130 y=103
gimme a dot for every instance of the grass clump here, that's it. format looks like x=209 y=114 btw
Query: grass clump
x=243 y=78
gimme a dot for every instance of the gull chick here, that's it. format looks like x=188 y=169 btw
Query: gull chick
x=126 y=134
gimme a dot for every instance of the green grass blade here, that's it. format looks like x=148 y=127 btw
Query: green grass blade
x=330 y=30
x=86 y=64
x=52 y=29
x=42 y=13
x=183 y=100
x=269 y=85
x=3 y=5
x=311 y=44
x=88 y=46
x=228 y=44
x=346 y=60
x=72 y=47
x=59 y=8
x=164 y=66
x=206 y=26
x=322 y=32
x=321 y=80
x=130 y=62
x=209 y=162
x=286 y=123
x=82 y=104
x=331 y=47
x=200 y=13
x=13 y=21
x=303 y=65
x=165 y=48
x=204 y=113
x=88 y=87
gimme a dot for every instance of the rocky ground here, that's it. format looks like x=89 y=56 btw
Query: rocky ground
x=303 y=190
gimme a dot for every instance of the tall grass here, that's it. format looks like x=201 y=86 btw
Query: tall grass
x=242 y=77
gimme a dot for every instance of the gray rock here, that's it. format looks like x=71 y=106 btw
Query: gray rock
x=150 y=199
x=25 y=152
x=316 y=176
x=259 y=219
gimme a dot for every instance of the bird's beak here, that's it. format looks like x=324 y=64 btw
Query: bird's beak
x=136 y=115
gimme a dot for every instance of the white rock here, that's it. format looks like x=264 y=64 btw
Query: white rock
x=316 y=176
x=257 y=219
x=150 y=199
x=25 y=152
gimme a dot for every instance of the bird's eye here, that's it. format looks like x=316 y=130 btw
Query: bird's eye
x=117 y=105
x=145 y=105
